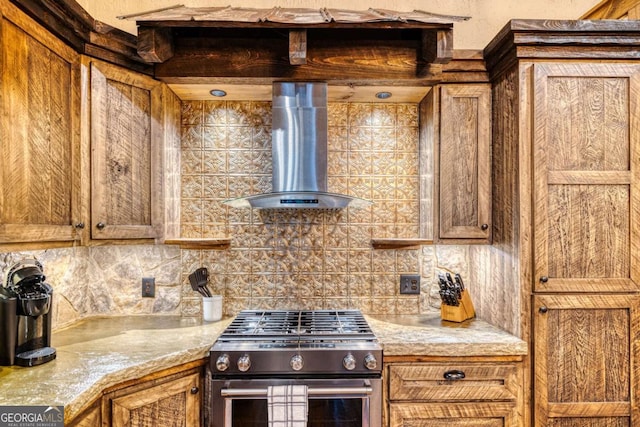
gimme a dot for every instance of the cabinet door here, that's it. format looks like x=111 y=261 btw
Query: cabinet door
x=173 y=403
x=453 y=415
x=126 y=152
x=586 y=360
x=463 y=162
x=91 y=417
x=586 y=154
x=39 y=133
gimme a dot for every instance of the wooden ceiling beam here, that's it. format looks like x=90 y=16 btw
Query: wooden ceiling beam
x=321 y=58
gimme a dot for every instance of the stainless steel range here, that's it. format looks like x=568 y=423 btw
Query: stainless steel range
x=333 y=354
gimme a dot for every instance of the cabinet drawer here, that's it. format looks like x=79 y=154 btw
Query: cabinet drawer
x=453 y=415
x=481 y=382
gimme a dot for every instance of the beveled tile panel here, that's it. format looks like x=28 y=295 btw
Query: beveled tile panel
x=239 y=113
x=407 y=115
x=383 y=115
x=214 y=113
x=192 y=137
x=191 y=211
x=359 y=261
x=383 y=140
x=214 y=138
x=336 y=285
x=215 y=187
x=360 y=115
x=335 y=236
x=192 y=112
x=385 y=285
x=191 y=187
x=214 y=161
x=191 y=162
x=239 y=137
x=337 y=114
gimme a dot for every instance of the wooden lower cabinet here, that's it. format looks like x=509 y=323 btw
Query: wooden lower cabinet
x=452 y=415
x=173 y=401
x=480 y=392
x=586 y=351
x=91 y=417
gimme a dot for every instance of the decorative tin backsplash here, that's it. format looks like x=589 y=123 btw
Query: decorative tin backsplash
x=304 y=259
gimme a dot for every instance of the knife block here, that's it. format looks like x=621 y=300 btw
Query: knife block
x=461 y=312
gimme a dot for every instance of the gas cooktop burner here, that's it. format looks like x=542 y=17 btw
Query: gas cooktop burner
x=307 y=325
x=297 y=342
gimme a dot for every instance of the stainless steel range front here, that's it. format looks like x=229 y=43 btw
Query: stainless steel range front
x=331 y=355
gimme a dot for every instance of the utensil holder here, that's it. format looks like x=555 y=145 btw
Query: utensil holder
x=212 y=308
x=458 y=313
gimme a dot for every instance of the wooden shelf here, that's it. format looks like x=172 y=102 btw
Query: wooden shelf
x=200 y=243
x=393 y=243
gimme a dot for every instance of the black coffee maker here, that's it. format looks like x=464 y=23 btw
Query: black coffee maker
x=25 y=316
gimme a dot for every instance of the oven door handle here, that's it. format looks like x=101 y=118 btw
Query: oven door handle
x=319 y=391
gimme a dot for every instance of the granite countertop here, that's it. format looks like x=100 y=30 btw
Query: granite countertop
x=429 y=335
x=100 y=352
x=97 y=353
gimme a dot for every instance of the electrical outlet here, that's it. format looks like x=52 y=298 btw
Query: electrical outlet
x=409 y=284
x=148 y=287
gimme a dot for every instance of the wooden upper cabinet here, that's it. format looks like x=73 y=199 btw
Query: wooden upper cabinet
x=39 y=133
x=586 y=360
x=463 y=163
x=126 y=154
x=586 y=154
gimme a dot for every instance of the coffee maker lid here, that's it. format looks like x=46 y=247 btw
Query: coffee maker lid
x=25 y=272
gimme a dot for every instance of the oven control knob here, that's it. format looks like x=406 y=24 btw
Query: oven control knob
x=370 y=361
x=244 y=363
x=296 y=362
x=349 y=362
x=222 y=362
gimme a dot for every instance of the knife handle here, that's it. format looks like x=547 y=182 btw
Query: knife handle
x=459 y=281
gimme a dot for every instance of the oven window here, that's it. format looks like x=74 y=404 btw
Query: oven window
x=322 y=413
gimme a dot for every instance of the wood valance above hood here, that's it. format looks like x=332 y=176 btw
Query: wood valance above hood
x=257 y=46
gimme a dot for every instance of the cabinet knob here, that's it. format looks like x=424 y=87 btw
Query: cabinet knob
x=484 y=227
x=543 y=309
x=194 y=390
x=100 y=225
x=544 y=279
x=454 y=375
x=80 y=225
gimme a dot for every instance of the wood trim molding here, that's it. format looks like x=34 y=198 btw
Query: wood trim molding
x=67 y=20
x=559 y=39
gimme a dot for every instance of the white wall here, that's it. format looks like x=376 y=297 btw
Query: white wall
x=487 y=16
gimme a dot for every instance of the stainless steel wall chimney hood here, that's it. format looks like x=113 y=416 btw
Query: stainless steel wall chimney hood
x=299 y=149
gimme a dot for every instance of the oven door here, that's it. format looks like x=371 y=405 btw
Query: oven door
x=331 y=402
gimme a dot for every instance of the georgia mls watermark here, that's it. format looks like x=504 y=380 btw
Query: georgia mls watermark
x=31 y=416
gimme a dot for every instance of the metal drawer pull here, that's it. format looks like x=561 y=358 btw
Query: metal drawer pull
x=258 y=392
x=453 y=375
